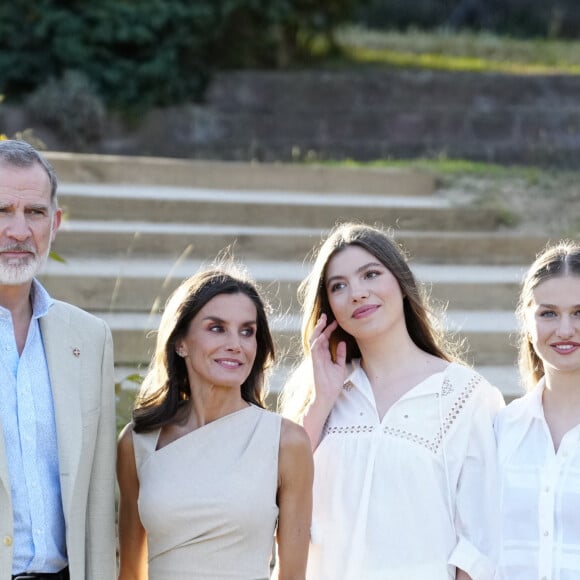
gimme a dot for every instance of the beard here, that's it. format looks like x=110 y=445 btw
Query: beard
x=21 y=270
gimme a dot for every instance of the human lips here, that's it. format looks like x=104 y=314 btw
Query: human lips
x=567 y=347
x=229 y=363
x=364 y=311
x=17 y=251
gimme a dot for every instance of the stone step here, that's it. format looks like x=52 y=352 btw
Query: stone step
x=276 y=208
x=490 y=335
x=137 y=284
x=472 y=287
x=89 y=168
x=178 y=240
x=142 y=285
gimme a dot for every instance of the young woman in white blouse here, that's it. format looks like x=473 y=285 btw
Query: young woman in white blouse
x=539 y=434
x=405 y=458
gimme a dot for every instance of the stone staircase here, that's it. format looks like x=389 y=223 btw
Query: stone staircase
x=134 y=228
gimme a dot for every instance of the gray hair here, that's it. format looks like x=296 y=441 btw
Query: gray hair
x=22 y=154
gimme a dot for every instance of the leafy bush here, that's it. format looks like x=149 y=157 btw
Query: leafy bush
x=141 y=53
x=71 y=106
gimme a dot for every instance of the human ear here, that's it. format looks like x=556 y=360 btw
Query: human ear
x=180 y=350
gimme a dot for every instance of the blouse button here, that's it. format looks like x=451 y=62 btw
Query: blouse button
x=547 y=489
x=546 y=533
x=406 y=416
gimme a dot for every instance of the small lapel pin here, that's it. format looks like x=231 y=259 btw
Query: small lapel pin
x=76 y=352
x=348 y=386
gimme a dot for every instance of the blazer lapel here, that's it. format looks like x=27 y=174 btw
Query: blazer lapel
x=61 y=345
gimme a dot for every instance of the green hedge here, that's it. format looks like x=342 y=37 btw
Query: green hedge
x=154 y=52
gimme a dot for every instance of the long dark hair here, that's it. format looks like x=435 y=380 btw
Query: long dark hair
x=419 y=317
x=166 y=386
x=377 y=242
x=560 y=259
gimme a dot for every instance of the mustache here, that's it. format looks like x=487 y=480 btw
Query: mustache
x=19 y=248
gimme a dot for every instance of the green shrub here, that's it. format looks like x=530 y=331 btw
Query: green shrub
x=71 y=106
x=141 y=53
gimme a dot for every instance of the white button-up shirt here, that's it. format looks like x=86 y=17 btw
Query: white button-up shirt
x=539 y=495
x=411 y=496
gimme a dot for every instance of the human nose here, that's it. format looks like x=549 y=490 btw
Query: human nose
x=565 y=327
x=358 y=292
x=234 y=343
x=18 y=228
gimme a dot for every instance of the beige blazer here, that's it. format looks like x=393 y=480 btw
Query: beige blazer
x=79 y=351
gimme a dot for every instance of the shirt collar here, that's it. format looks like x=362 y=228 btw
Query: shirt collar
x=535 y=406
x=357 y=378
x=354 y=376
x=40 y=299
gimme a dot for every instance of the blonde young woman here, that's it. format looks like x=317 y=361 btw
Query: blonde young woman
x=207 y=476
x=404 y=449
x=539 y=434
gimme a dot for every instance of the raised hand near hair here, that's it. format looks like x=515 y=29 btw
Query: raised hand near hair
x=328 y=375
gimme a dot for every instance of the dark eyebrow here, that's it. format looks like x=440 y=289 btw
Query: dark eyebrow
x=358 y=270
x=222 y=321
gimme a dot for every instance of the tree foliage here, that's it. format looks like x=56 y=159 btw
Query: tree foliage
x=154 y=52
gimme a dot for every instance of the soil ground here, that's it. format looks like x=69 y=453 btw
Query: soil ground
x=527 y=201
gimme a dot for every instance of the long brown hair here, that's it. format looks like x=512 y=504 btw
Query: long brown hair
x=166 y=386
x=312 y=292
x=554 y=261
x=377 y=242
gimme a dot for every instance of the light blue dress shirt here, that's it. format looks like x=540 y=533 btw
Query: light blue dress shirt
x=29 y=428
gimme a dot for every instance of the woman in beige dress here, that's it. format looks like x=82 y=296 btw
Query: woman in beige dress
x=207 y=476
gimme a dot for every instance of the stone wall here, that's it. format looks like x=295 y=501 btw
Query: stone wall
x=360 y=115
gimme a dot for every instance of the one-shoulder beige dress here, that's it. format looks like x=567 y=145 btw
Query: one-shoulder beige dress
x=208 y=499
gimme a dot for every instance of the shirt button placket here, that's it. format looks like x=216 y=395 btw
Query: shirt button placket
x=546 y=518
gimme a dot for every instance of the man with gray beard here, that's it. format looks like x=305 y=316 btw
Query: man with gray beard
x=57 y=404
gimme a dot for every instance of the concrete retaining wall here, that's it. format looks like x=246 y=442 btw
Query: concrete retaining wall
x=361 y=115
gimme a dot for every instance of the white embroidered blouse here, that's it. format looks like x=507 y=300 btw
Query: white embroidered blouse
x=540 y=495
x=413 y=496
